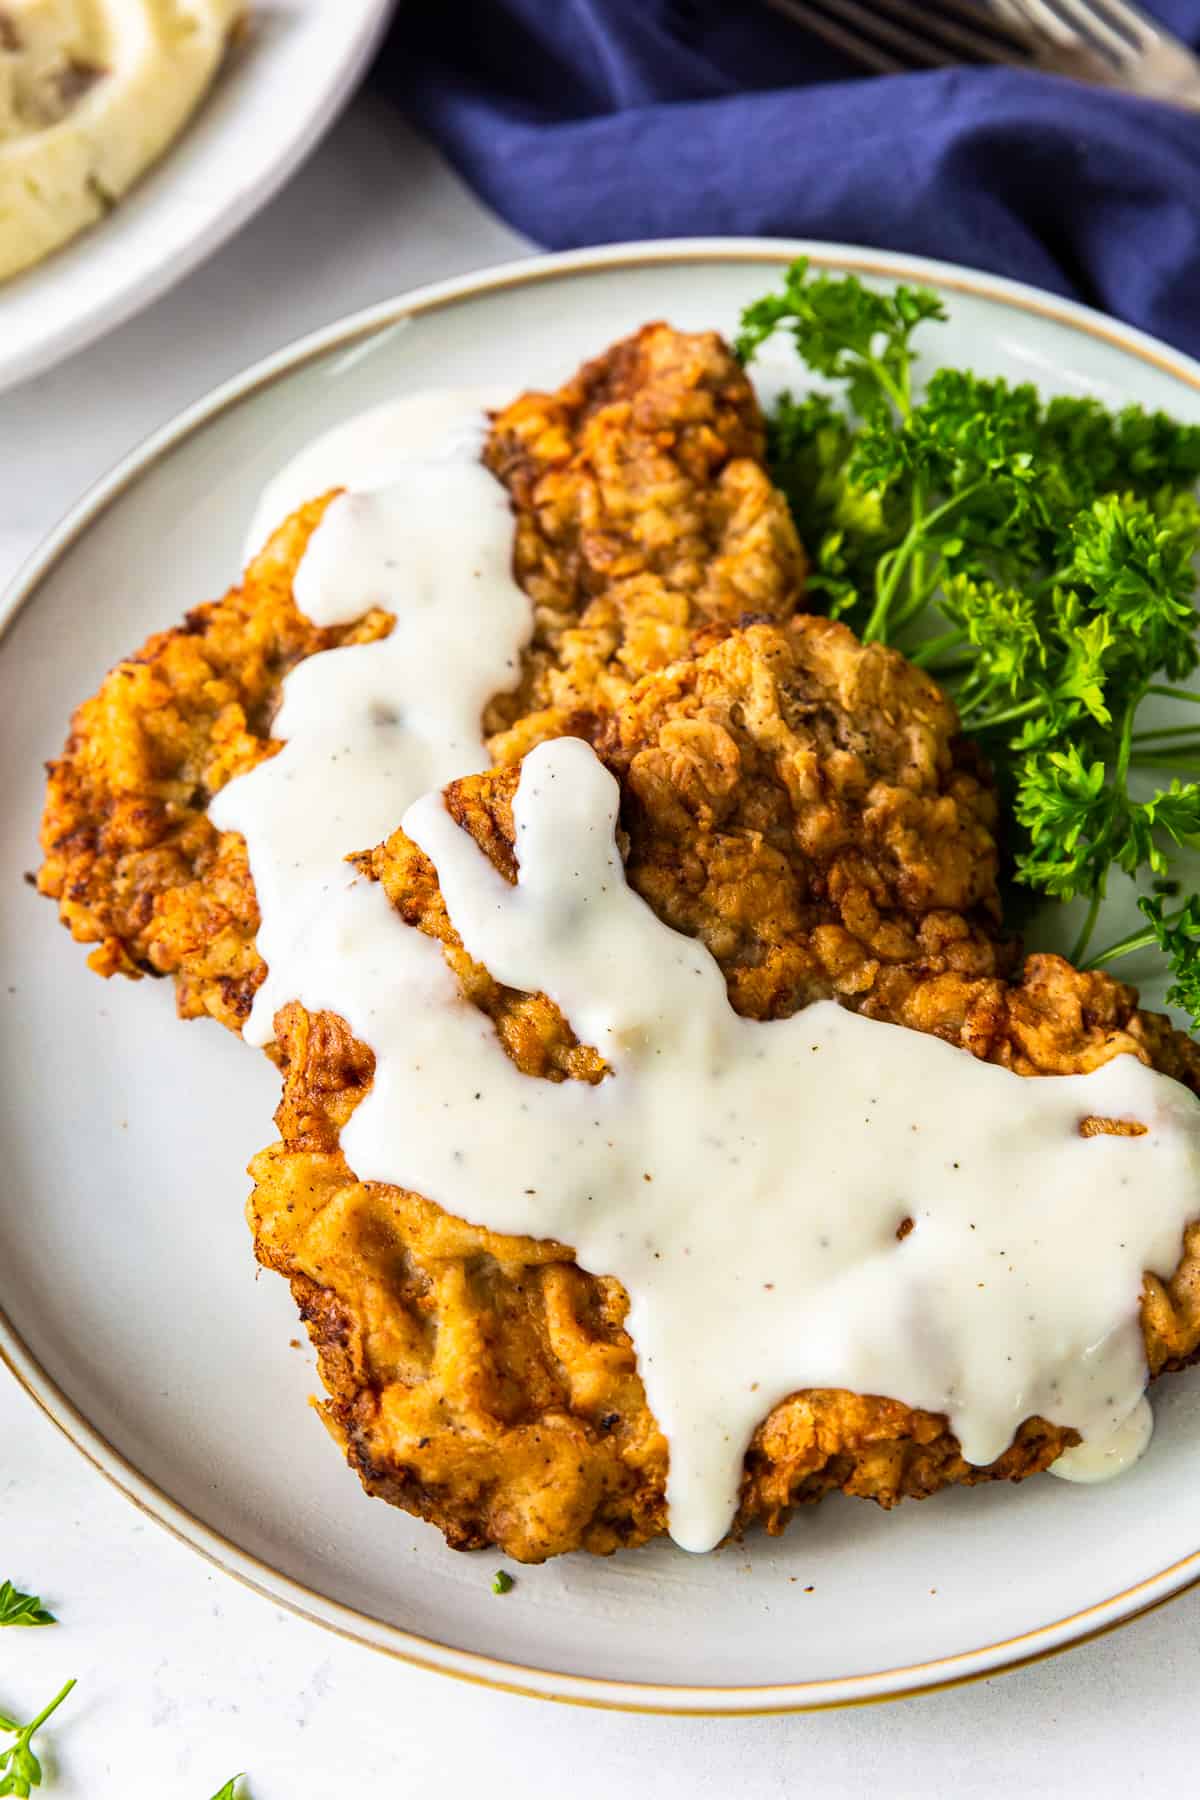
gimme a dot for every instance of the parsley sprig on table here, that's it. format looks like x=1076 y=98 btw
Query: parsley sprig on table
x=20 y=1770
x=17 y=1608
x=20 y=1767
x=1037 y=557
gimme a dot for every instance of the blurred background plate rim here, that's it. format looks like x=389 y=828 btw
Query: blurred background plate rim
x=1042 y=1641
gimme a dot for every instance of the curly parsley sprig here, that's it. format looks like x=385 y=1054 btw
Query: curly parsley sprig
x=1178 y=935
x=20 y=1769
x=1037 y=557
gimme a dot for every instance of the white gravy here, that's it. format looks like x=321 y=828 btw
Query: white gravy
x=1099 y=1459
x=426 y=535
x=376 y=448
x=745 y=1181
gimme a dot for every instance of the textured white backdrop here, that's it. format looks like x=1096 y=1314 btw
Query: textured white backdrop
x=184 y=1677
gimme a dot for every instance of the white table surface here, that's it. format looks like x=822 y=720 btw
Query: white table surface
x=185 y=1677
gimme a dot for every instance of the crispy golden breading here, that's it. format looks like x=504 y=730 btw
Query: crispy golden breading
x=799 y=803
x=641 y=509
x=130 y=854
x=805 y=805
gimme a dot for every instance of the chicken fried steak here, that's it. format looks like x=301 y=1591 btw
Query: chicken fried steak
x=641 y=509
x=802 y=804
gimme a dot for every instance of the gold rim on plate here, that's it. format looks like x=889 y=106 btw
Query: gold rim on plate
x=959 y=1670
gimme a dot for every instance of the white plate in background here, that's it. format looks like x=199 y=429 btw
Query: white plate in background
x=281 y=87
x=132 y=1312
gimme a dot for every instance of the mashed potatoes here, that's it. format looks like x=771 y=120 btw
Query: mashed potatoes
x=91 y=92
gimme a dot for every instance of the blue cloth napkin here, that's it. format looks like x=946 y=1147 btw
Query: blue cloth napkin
x=590 y=121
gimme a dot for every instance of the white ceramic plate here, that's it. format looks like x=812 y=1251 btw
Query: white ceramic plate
x=280 y=89
x=133 y=1313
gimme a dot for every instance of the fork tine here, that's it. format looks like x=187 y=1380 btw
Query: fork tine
x=916 y=45
x=964 y=27
x=1088 y=22
x=1138 y=26
x=1041 y=15
x=848 y=42
x=891 y=36
x=1140 y=31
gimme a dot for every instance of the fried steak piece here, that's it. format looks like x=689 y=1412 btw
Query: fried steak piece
x=641 y=509
x=802 y=804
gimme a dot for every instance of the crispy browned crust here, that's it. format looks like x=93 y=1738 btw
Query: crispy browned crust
x=641 y=509
x=805 y=805
x=799 y=803
x=130 y=854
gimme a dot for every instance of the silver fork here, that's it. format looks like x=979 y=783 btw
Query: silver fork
x=1109 y=42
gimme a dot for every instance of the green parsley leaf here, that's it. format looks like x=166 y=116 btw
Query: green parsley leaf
x=1067 y=810
x=843 y=330
x=1179 y=937
x=1038 y=558
x=503 y=1582
x=229 y=1791
x=20 y=1769
x=1139 y=572
x=17 y=1608
x=844 y=526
